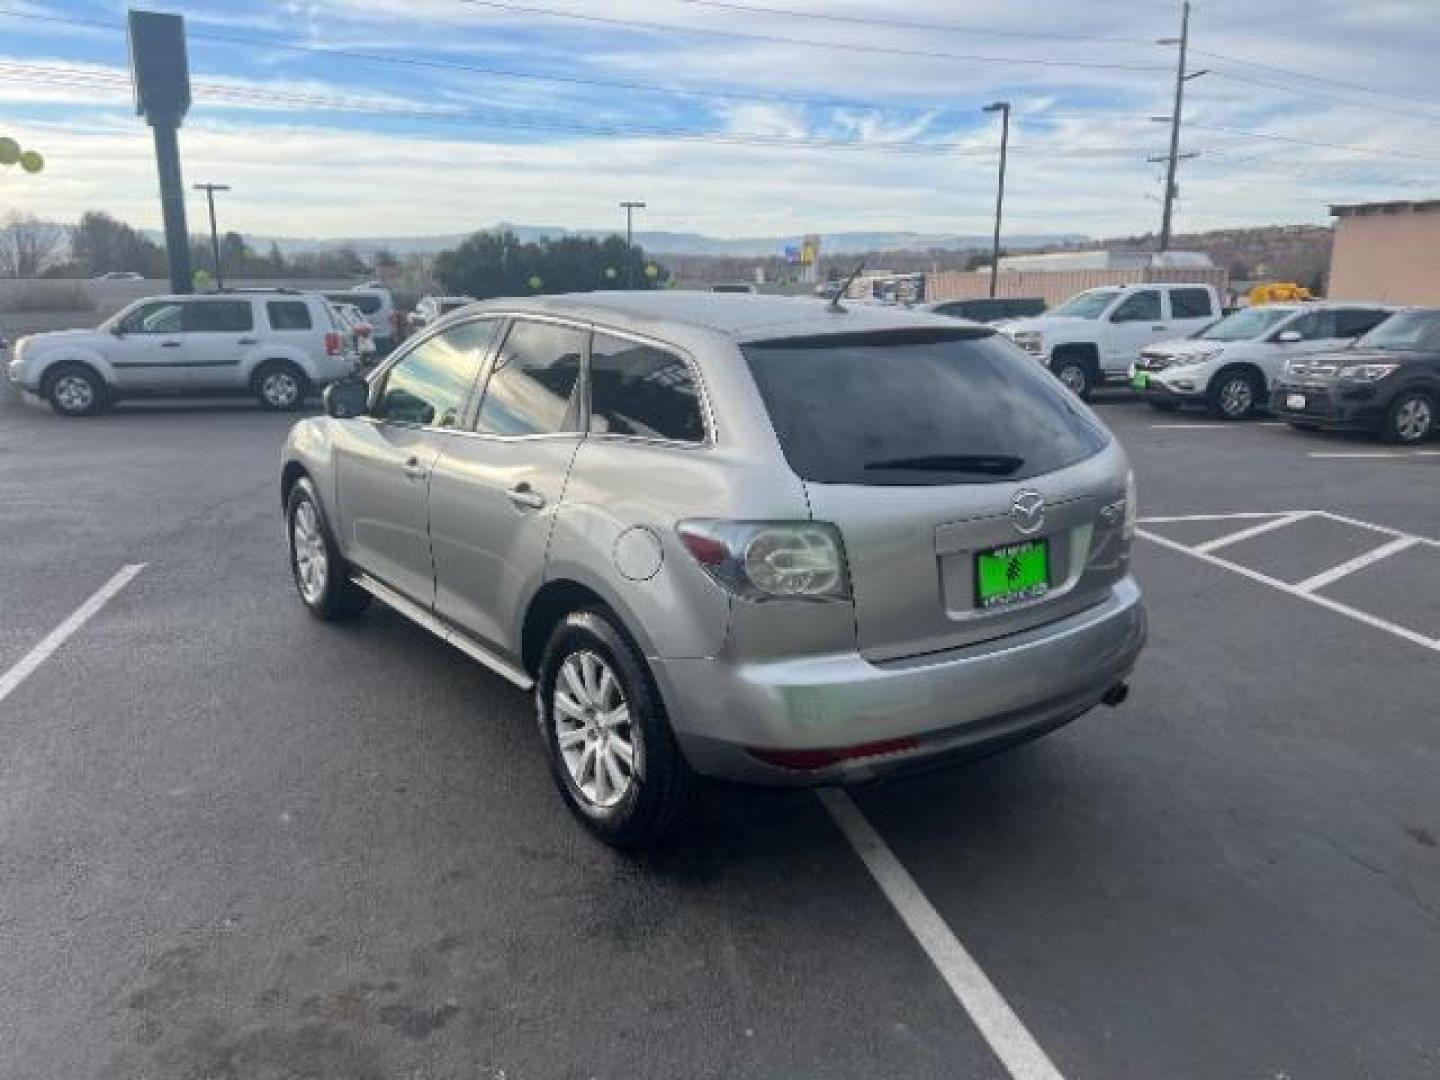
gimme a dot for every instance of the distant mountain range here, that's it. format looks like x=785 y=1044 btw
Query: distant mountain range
x=678 y=243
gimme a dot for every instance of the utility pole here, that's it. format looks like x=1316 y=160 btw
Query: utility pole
x=1003 y=108
x=630 y=208
x=1173 y=159
x=210 y=190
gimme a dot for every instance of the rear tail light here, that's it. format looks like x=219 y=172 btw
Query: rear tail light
x=770 y=560
x=333 y=344
x=823 y=758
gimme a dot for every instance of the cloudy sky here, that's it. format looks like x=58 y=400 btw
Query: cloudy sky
x=751 y=117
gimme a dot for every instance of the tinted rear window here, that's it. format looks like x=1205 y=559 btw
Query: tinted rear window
x=918 y=408
x=369 y=303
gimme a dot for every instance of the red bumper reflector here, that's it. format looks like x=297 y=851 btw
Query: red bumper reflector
x=824 y=758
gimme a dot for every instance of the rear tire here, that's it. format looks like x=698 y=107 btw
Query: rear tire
x=611 y=749
x=280 y=386
x=1076 y=372
x=1410 y=420
x=1234 y=395
x=76 y=390
x=321 y=577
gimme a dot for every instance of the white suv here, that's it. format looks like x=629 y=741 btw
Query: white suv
x=1231 y=366
x=1096 y=335
x=277 y=344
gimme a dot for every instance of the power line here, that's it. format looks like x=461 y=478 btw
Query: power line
x=1309 y=92
x=1290 y=73
x=1295 y=140
x=742 y=35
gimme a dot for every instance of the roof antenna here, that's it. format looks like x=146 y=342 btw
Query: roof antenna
x=835 y=300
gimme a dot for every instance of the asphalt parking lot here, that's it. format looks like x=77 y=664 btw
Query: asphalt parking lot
x=237 y=843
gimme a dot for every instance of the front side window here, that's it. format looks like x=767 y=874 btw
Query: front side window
x=288 y=315
x=165 y=317
x=1246 y=325
x=1352 y=322
x=644 y=391
x=1315 y=326
x=432 y=384
x=917 y=407
x=219 y=316
x=1138 y=307
x=1190 y=304
x=532 y=389
x=1086 y=305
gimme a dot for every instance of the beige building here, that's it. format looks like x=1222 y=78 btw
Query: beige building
x=1387 y=251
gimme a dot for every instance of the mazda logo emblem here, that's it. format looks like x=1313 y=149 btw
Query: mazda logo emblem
x=1027 y=512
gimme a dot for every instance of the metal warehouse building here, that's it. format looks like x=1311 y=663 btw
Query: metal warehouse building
x=1387 y=251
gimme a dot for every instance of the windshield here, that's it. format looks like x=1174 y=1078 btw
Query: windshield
x=1246 y=325
x=1087 y=305
x=917 y=407
x=1407 y=330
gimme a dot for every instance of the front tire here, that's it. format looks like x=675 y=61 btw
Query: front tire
x=74 y=390
x=321 y=577
x=280 y=386
x=1234 y=395
x=1410 y=420
x=611 y=750
x=1075 y=372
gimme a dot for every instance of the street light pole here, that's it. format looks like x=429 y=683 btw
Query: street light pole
x=630 y=208
x=1003 y=108
x=210 y=190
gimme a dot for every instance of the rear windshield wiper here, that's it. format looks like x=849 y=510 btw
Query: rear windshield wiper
x=986 y=464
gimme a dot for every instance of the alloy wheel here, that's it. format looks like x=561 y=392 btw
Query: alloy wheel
x=312 y=562
x=594 y=729
x=1413 y=420
x=74 y=393
x=279 y=389
x=1072 y=376
x=1237 y=397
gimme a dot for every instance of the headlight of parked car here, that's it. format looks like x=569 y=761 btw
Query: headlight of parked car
x=1366 y=372
x=1192 y=359
x=1032 y=341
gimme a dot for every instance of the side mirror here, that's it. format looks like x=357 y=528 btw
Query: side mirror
x=1289 y=337
x=347 y=398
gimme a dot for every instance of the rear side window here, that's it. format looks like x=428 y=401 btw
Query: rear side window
x=1138 y=307
x=1352 y=322
x=1190 y=304
x=532 y=390
x=431 y=385
x=288 y=315
x=219 y=316
x=644 y=391
x=1315 y=325
x=917 y=408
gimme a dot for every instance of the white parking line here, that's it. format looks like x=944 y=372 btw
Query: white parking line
x=1370 y=454
x=1216 y=427
x=1253 y=530
x=1374 y=621
x=1335 y=573
x=57 y=637
x=1001 y=1028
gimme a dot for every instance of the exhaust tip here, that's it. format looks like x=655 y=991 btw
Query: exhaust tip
x=1117 y=694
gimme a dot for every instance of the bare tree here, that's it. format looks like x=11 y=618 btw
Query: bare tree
x=28 y=246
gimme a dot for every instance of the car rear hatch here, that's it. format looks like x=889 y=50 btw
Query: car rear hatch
x=975 y=496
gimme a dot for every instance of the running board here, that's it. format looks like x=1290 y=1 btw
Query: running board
x=468 y=645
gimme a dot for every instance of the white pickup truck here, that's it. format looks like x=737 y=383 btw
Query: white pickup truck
x=1095 y=336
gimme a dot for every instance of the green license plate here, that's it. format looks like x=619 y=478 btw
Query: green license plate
x=1140 y=381
x=1012 y=573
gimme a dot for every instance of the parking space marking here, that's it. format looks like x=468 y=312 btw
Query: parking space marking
x=27 y=664
x=1215 y=427
x=1372 y=454
x=1006 y=1035
x=1373 y=621
x=1253 y=530
x=1335 y=573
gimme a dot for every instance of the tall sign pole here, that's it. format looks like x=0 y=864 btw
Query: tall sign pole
x=161 y=73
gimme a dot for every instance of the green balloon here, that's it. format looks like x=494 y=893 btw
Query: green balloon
x=31 y=161
x=9 y=151
x=535 y=282
x=652 y=271
x=610 y=273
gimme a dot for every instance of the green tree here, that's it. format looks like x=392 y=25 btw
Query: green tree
x=490 y=264
x=100 y=244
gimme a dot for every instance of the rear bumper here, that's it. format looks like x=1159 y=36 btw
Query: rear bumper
x=955 y=704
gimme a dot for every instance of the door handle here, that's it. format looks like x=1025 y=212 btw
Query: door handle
x=414 y=470
x=169 y=344
x=248 y=341
x=525 y=497
x=1159 y=328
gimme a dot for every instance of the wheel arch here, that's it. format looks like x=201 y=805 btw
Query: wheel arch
x=558 y=598
x=70 y=358
x=1249 y=367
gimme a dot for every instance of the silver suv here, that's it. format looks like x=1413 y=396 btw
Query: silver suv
x=746 y=537
x=276 y=344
